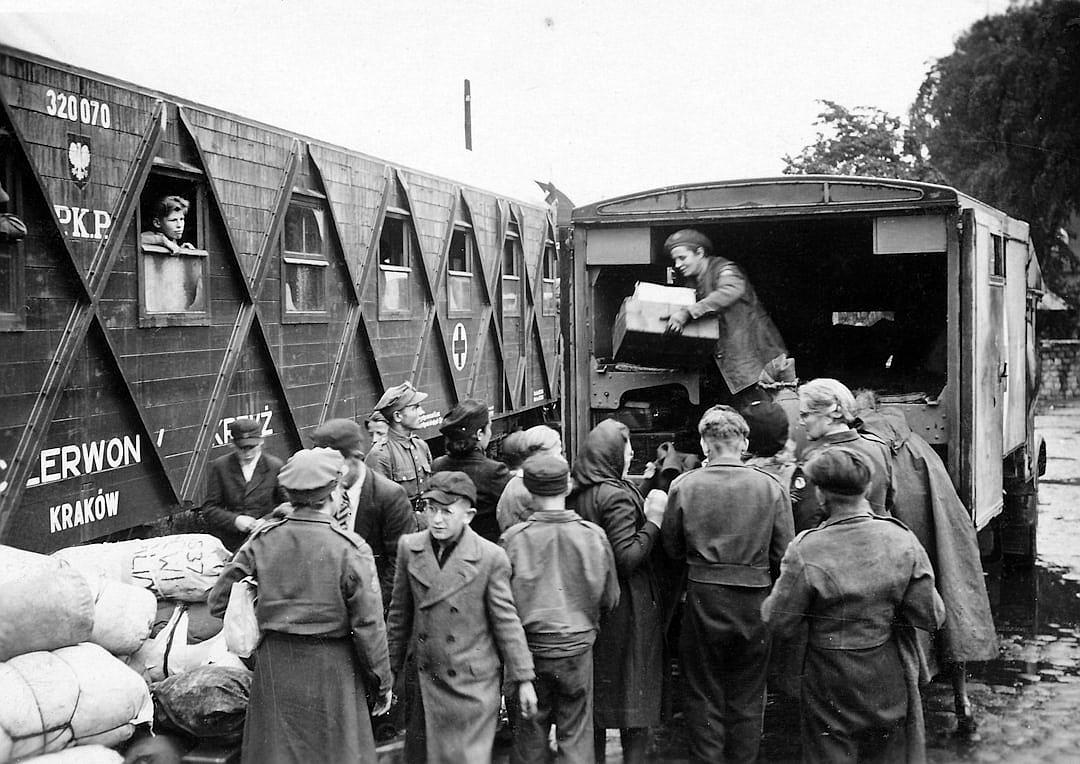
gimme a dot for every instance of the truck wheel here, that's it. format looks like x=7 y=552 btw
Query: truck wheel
x=1020 y=523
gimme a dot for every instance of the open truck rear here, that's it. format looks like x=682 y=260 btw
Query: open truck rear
x=913 y=290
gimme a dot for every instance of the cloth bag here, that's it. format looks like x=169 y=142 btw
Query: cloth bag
x=241 y=628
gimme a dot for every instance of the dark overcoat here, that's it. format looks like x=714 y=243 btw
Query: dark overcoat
x=882 y=491
x=229 y=495
x=489 y=476
x=464 y=628
x=628 y=662
x=927 y=503
x=383 y=516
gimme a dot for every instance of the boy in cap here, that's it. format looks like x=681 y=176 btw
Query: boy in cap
x=563 y=577
x=769 y=448
x=370 y=505
x=452 y=600
x=323 y=650
x=467 y=430
x=402 y=456
x=377 y=427
x=242 y=486
x=748 y=337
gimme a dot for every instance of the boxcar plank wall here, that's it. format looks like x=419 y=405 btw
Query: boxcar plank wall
x=111 y=405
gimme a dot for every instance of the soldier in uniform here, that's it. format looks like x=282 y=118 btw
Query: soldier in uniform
x=453 y=603
x=748 y=337
x=827 y=412
x=242 y=486
x=858 y=584
x=323 y=649
x=402 y=456
x=731 y=523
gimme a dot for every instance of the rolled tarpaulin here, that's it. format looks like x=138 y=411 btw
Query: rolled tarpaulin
x=44 y=604
x=78 y=695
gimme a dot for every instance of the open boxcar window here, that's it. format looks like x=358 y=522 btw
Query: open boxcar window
x=550 y=296
x=173 y=263
x=12 y=231
x=459 y=277
x=511 y=275
x=395 y=273
x=304 y=263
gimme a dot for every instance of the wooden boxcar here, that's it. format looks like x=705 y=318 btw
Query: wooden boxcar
x=317 y=277
x=916 y=291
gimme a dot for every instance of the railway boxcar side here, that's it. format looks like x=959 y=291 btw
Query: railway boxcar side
x=310 y=279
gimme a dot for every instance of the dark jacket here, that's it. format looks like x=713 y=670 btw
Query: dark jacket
x=227 y=495
x=314 y=580
x=489 y=476
x=383 y=517
x=748 y=337
x=882 y=492
x=730 y=522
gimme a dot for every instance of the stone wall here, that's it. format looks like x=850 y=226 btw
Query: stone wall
x=1060 y=370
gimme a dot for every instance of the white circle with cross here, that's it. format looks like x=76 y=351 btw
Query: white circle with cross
x=459 y=346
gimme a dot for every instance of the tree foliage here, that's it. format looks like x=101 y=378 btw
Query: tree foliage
x=860 y=141
x=1000 y=119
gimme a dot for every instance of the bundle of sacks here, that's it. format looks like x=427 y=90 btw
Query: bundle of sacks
x=82 y=633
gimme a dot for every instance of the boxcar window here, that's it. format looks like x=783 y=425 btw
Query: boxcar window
x=511 y=280
x=459 y=277
x=394 y=271
x=550 y=296
x=304 y=260
x=173 y=267
x=12 y=231
x=998 y=263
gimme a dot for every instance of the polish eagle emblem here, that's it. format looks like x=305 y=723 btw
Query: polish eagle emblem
x=79 y=159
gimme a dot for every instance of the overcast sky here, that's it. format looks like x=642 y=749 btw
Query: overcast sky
x=602 y=97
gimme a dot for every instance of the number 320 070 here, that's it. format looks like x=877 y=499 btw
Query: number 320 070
x=77 y=109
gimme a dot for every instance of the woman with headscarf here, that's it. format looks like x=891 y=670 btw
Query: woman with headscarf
x=515 y=504
x=628 y=654
x=323 y=648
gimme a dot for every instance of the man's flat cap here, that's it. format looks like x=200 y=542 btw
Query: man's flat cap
x=246 y=432
x=465 y=418
x=448 y=487
x=687 y=237
x=342 y=434
x=311 y=468
x=546 y=475
x=398 y=397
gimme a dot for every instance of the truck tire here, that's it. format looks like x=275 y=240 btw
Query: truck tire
x=1020 y=523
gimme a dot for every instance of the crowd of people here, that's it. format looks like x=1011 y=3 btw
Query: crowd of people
x=558 y=596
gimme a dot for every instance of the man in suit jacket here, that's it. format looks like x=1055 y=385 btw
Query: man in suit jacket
x=242 y=486
x=452 y=598
x=365 y=502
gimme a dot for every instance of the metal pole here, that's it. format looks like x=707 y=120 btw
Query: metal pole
x=468 y=117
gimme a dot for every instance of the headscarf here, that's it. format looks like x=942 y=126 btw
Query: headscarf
x=602 y=457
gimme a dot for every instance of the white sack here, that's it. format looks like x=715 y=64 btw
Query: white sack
x=123 y=617
x=77 y=695
x=181 y=567
x=169 y=653
x=44 y=604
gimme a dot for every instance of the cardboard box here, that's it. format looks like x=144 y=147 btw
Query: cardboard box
x=638 y=333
